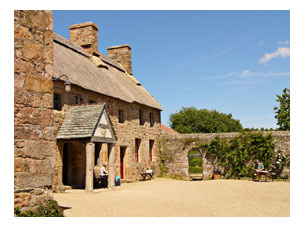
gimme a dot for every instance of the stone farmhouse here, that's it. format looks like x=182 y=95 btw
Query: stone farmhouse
x=75 y=109
x=125 y=114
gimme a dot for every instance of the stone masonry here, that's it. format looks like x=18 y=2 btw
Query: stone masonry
x=174 y=148
x=125 y=132
x=33 y=115
x=122 y=54
x=85 y=35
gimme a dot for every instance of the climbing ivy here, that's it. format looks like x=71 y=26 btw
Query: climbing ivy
x=236 y=155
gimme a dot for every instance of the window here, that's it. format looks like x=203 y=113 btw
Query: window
x=141 y=119
x=120 y=116
x=137 y=145
x=151 y=119
x=57 y=101
x=91 y=102
x=78 y=99
x=151 y=143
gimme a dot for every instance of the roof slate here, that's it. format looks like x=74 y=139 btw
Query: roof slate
x=80 y=122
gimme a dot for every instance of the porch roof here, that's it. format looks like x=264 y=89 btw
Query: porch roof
x=82 y=121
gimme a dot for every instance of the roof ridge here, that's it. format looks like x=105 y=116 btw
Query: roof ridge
x=69 y=44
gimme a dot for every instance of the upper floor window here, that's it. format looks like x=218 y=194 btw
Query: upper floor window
x=57 y=101
x=120 y=116
x=78 y=99
x=141 y=117
x=151 y=119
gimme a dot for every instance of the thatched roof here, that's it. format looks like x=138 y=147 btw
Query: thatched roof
x=113 y=80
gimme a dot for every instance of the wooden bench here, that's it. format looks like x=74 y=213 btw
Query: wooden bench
x=271 y=174
x=149 y=175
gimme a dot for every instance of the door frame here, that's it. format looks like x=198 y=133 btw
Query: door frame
x=122 y=151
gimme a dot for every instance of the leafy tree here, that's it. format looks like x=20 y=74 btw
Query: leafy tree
x=283 y=112
x=192 y=120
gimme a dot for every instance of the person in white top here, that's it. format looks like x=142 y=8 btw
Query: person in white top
x=103 y=171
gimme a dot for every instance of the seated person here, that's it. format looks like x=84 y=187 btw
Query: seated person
x=103 y=171
x=259 y=168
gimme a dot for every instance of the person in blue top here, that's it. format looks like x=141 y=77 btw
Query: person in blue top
x=259 y=169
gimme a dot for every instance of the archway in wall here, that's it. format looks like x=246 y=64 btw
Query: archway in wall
x=195 y=162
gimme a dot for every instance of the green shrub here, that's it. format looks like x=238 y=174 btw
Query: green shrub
x=51 y=209
x=195 y=170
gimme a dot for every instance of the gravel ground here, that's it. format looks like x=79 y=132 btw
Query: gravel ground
x=164 y=197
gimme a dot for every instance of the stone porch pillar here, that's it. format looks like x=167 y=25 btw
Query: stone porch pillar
x=111 y=174
x=90 y=146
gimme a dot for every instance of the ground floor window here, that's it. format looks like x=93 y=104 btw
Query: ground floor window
x=137 y=145
x=151 y=143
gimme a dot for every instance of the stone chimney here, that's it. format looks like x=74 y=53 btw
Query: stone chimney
x=85 y=35
x=121 y=54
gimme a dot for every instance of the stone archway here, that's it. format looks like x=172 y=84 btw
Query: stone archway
x=207 y=162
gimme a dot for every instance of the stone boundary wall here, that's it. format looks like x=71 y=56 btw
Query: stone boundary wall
x=174 y=150
x=33 y=102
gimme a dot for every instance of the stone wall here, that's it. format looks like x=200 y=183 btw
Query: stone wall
x=174 y=150
x=33 y=116
x=125 y=132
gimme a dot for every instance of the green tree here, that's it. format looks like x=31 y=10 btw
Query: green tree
x=192 y=120
x=283 y=112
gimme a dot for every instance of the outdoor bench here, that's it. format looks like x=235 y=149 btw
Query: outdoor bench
x=147 y=174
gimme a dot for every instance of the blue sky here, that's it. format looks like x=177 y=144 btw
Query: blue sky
x=232 y=61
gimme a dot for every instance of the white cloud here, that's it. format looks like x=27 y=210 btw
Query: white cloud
x=281 y=51
x=248 y=73
x=277 y=74
x=283 y=42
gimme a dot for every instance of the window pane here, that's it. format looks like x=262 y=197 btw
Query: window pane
x=120 y=116
x=137 y=145
x=57 y=101
x=151 y=143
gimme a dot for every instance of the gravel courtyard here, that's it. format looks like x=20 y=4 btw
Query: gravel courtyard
x=164 y=197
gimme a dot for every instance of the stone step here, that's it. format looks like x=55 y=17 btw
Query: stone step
x=126 y=181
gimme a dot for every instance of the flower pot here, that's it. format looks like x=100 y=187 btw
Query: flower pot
x=217 y=176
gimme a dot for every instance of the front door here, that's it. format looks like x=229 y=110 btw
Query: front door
x=122 y=155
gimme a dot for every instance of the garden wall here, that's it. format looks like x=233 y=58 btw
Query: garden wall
x=174 y=150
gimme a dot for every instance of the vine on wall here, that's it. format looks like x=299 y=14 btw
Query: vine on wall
x=236 y=156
